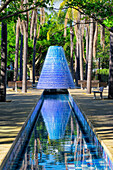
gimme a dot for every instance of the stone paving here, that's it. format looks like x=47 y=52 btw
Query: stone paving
x=13 y=113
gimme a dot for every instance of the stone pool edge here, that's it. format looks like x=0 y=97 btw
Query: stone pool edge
x=84 y=119
x=24 y=132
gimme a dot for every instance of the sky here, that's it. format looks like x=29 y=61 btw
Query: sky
x=57 y=4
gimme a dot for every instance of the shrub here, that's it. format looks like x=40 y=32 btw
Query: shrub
x=10 y=74
x=103 y=75
x=103 y=71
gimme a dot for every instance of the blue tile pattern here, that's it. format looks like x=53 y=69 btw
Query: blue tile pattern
x=55 y=72
x=55 y=112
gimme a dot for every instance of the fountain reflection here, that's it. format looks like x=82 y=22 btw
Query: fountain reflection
x=56 y=113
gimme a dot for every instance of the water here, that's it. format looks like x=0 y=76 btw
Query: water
x=58 y=141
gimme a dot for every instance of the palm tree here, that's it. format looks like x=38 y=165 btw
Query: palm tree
x=3 y=62
x=77 y=75
x=76 y=27
x=95 y=39
x=25 y=30
x=110 y=92
x=24 y=84
x=16 y=50
x=80 y=48
x=79 y=32
x=74 y=15
x=34 y=47
x=87 y=48
x=32 y=23
x=102 y=36
x=90 y=57
x=71 y=49
x=21 y=50
x=69 y=17
x=33 y=28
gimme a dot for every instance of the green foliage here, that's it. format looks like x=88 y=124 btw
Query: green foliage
x=103 y=75
x=54 y=29
x=15 y=9
x=109 y=21
x=99 y=10
x=103 y=54
x=11 y=40
x=103 y=71
x=56 y=32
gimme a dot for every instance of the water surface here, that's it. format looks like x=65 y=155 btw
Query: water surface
x=58 y=141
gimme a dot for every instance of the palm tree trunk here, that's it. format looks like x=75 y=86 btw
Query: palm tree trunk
x=79 y=35
x=81 y=54
x=24 y=83
x=25 y=30
x=42 y=16
x=102 y=36
x=75 y=17
x=71 y=49
x=82 y=30
x=110 y=92
x=65 y=24
x=38 y=34
x=90 y=58
x=78 y=59
x=76 y=65
x=76 y=56
x=34 y=48
x=16 y=50
x=95 y=40
x=32 y=23
x=87 y=48
x=21 y=52
x=3 y=63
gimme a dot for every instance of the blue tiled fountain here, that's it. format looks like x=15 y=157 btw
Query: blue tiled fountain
x=55 y=72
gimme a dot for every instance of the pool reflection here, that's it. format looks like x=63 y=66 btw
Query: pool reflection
x=55 y=113
x=58 y=141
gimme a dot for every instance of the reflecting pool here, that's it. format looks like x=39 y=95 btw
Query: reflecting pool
x=58 y=141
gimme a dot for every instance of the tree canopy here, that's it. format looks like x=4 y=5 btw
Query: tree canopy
x=100 y=10
x=12 y=9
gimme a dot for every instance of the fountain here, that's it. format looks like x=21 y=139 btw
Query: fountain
x=55 y=73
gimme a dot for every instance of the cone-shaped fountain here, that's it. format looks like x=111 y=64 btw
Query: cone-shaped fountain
x=55 y=112
x=55 y=73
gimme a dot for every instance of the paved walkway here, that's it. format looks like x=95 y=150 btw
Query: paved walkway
x=14 y=112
